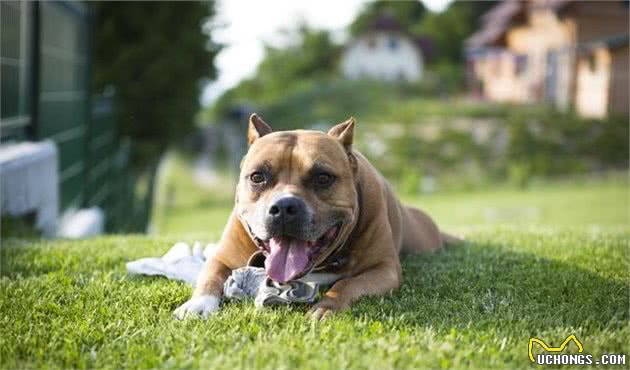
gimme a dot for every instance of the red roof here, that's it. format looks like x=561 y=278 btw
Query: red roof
x=495 y=22
x=385 y=22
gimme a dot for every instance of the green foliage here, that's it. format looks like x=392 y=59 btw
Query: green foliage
x=450 y=28
x=311 y=56
x=327 y=101
x=558 y=144
x=192 y=210
x=410 y=180
x=437 y=135
x=538 y=143
x=187 y=207
x=18 y=226
x=155 y=55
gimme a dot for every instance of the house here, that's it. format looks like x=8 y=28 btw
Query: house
x=571 y=54
x=385 y=52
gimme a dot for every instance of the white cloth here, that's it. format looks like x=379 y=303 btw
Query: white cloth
x=184 y=263
x=83 y=223
x=181 y=262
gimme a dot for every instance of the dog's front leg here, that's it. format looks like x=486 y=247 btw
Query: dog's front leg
x=233 y=251
x=380 y=279
x=206 y=297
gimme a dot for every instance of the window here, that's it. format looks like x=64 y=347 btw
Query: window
x=392 y=43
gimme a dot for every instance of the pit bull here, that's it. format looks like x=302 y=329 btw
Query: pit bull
x=310 y=202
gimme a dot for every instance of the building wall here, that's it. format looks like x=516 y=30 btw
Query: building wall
x=598 y=20
x=592 y=81
x=386 y=56
x=620 y=81
x=602 y=82
x=547 y=41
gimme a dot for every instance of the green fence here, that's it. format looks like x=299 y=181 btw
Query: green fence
x=112 y=183
x=16 y=63
x=64 y=90
x=45 y=57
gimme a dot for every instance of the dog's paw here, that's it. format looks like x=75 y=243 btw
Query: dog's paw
x=325 y=308
x=198 y=307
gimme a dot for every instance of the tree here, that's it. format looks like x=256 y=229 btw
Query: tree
x=155 y=55
x=450 y=28
x=312 y=56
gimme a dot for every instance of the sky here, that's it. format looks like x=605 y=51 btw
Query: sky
x=245 y=26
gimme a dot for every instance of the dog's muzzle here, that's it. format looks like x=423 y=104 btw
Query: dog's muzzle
x=287 y=215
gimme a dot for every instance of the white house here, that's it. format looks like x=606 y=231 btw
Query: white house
x=384 y=52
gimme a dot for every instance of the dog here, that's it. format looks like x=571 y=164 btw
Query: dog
x=310 y=202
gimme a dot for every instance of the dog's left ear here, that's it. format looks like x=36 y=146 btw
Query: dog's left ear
x=344 y=132
x=257 y=129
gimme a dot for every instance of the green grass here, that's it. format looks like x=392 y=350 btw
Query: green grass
x=187 y=209
x=562 y=269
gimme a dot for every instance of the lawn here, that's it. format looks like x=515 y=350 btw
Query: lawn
x=547 y=262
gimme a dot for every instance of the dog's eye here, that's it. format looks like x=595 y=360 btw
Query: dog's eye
x=324 y=179
x=257 y=177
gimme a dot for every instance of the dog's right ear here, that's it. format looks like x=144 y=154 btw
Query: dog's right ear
x=257 y=129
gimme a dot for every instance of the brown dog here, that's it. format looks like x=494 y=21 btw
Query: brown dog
x=311 y=202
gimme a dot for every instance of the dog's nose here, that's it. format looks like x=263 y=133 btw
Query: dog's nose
x=287 y=209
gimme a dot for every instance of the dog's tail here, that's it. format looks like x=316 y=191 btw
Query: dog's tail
x=450 y=239
x=421 y=234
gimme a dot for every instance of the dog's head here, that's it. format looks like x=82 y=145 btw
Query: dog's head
x=297 y=195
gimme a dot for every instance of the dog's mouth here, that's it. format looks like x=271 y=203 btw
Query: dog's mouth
x=289 y=258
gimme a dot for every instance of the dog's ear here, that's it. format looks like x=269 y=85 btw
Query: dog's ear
x=344 y=132
x=257 y=129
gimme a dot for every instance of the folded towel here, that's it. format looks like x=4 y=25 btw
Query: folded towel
x=272 y=293
x=179 y=263
x=184 y=263
x=244 y=282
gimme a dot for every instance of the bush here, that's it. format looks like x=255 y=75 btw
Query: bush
x=524 y=144
x=553 y=143
x=440 y=136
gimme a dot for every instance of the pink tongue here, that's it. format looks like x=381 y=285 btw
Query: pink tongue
x=287 y=260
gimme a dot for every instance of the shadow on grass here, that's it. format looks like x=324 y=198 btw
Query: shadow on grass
x=484 y=286
x=35 y=257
